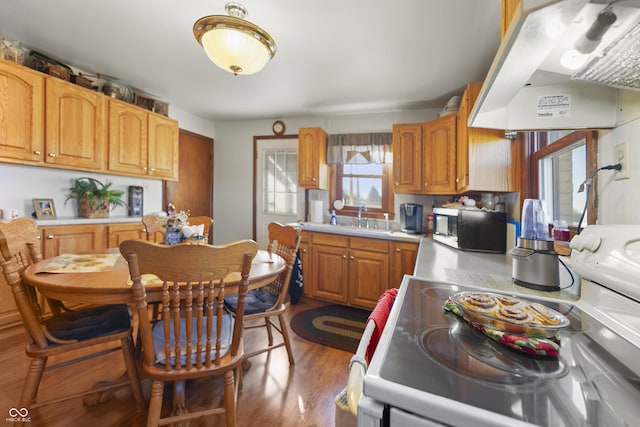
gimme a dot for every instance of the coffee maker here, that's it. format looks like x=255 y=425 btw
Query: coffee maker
x=535 y=262
x=411 y=218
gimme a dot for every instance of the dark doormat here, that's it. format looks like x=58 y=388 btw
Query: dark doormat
x=335 y=326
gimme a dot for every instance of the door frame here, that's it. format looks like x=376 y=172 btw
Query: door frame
x=256 y=139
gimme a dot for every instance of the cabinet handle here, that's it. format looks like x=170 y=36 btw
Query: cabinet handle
x=457 y=180
x=397 y=249
x=50 y=236
x=153 y=170
x=397 y=183
x=304 y=251
x=344 y=257
x=313 y=179
x=426 y=183
x=352 y=258
x=52 y=154
x=144 y=168
x=37 y=152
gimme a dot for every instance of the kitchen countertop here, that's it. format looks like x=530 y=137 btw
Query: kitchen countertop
x=74 y=220
x=359 y=232
x=441 y=263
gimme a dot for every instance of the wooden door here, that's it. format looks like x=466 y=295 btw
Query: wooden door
x=117 y=233
x=407 y=158
x=439 y=155
x=128 y=138
x=70 y=239
x=75 y=126
x=329 y=273
x=312 y=158
x=368 y=277
x=163 y=147
x=194 y=191
x=22 y=106
x=403 y=261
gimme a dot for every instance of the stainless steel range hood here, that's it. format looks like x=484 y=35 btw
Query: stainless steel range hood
x=528 y=88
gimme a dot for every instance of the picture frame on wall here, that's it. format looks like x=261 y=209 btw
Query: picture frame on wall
x=135 y=202
x=44 y=208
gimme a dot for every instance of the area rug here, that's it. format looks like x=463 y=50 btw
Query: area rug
x=335 y=326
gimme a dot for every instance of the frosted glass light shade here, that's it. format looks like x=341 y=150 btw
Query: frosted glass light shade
x=234 y=44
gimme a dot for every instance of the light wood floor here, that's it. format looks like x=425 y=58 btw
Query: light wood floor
x=274 y=393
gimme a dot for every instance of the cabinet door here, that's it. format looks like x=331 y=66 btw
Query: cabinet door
x=71 y=239
x=403 y=261
x=163 y=147
x=329 y=273
x=75 y=126
x=312 y=158
x=22 y=106
x=407 y=158
x=368 y=277
x=128 y=138
x=305 y=259
x=483 y=156
x=117 y=233
x=439 y=155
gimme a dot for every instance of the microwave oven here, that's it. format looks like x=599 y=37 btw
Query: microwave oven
x=471 y=229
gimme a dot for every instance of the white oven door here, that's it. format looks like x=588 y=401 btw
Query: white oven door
x=398 y=417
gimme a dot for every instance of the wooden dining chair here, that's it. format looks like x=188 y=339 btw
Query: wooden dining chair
x=207 y=221
x=152 y=226
x=268 y=302
x=72 y=333
x=195 y=337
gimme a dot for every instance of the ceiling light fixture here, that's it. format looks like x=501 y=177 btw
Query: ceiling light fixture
x=589 y=41
x=233 y=43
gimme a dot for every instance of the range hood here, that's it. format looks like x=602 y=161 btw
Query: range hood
x=528 y=88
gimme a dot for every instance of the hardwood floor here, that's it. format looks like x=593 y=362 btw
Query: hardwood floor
x=274 y=393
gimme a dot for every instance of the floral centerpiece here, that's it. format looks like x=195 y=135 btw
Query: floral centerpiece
x=173 y=222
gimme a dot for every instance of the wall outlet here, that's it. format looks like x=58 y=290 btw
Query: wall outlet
x=621 y=155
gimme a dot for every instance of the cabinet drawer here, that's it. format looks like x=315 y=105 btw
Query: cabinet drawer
x=329 y=240
x=374 y=245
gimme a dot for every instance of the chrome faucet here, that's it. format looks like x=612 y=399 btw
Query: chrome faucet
x=362 y=206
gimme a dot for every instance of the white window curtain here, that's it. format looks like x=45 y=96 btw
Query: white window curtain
x=359 y=148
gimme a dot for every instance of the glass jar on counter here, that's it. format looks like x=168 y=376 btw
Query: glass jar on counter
x=561 y=231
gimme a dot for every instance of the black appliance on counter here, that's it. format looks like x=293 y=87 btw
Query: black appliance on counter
x=411 y=218
x=471 y=229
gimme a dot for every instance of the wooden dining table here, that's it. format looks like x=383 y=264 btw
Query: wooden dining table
x=113 y=286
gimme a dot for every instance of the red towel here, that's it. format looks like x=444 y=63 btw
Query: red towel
x=379 y=315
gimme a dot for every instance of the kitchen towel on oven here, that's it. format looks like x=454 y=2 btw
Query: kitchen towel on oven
x=379 y=316
x=530 y=345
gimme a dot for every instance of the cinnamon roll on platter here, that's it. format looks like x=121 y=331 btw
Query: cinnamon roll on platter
x=509 y=314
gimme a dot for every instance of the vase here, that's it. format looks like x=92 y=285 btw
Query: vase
x=172 y=237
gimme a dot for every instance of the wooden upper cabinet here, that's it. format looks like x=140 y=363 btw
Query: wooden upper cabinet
x=75 y=126
x=483 y=156
x=407 y=158
x=439 y=155
x=312 y=158
x=128 y=138
x=509 y=8
x=22 y=106
x=163 y=147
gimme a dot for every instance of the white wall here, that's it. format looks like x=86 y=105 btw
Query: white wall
x=619 y=201
x=233 y=160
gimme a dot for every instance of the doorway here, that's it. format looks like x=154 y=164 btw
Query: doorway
x=194 y=190
x=276 y=195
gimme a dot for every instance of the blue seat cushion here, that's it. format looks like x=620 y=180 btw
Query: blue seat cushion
x=257 y=301
x=225 y=339
x=90 y=323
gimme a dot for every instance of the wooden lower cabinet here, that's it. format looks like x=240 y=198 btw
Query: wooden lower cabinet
x=353 y=271
x=69 y=239
x=117 y=233
x=403 y=261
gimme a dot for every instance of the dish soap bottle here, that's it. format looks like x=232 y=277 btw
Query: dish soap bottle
x=333 y=220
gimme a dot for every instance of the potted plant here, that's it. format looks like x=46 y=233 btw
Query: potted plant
x=94 y=198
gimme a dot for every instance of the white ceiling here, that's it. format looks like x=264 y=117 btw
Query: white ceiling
x=333 y=57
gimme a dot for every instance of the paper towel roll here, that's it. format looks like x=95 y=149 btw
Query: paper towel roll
x=316 y=211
